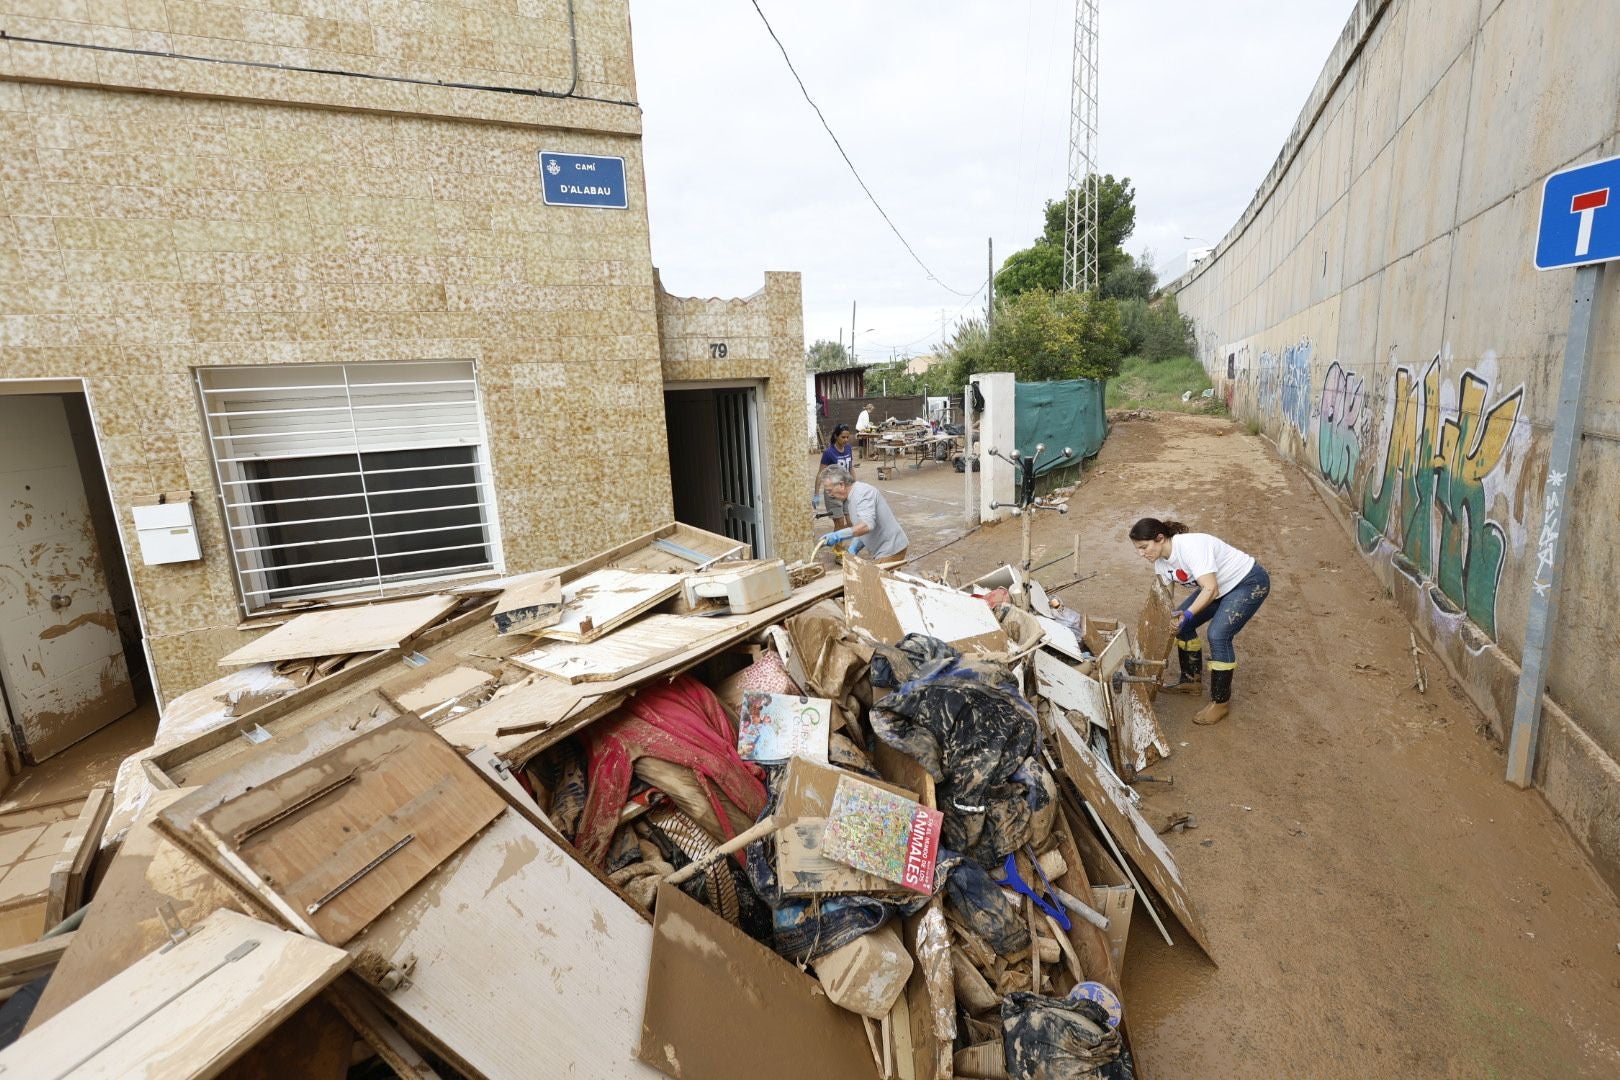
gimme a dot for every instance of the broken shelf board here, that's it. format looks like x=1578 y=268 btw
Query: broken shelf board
x=1135 y=738
x=571 y=954
x=602 y=600
x=340 y=838
x=888 y=608
x=336 y=631
x=529 y=603
x=424 y=695
x=1111 y=802
x=186 y=1011
x=149 y=877
x=1069 y=689
x=711 y=989
x=623 y=652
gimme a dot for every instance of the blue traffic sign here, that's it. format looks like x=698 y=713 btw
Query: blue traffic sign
x=582 y=180
x=1580 y=216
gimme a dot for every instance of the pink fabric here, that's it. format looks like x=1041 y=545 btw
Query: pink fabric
x=680 y=722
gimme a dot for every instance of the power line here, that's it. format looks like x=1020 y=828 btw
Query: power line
x=854 y=171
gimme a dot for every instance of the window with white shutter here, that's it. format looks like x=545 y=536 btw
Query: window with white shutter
x=350 y=478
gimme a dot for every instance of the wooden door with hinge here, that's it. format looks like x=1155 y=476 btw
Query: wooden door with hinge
x=61 y=658
x=740 y=482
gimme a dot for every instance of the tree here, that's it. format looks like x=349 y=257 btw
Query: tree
x=1157 y=331
x=1041 y=335
x=1040 y=266
x=826 y=355
x=1130 y=278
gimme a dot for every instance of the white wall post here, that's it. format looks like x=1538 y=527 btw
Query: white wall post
x=996 y=476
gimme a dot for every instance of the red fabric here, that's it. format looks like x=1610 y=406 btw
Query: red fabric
x=681 y=722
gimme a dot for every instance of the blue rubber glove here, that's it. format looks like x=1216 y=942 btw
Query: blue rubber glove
x=1186 y=619
x=855 y=545
x=838 y=536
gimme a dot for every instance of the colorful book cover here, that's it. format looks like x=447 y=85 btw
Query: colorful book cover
x=884 y=834
x=776 y=727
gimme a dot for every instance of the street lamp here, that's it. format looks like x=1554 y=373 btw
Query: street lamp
x=852 y=336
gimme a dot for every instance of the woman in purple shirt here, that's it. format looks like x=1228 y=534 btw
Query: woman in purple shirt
x=840 y=453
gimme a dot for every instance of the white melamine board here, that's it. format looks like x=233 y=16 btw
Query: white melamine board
x=1061 y=638
x=623 y=651
x=952 y=616
x=608 y=598
x=183 y=1011
x=1069 y=689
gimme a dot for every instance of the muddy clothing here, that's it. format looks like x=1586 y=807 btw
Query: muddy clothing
x=1052 y=1039
x=1192 y=555
x=868 y=507
x=965 y=722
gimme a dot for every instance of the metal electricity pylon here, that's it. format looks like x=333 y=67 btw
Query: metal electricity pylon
x=1080 y=215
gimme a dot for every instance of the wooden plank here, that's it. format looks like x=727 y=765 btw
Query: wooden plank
x=959 y=618
x=24 y=963
x=711 y=989
x=1136 y=740
x=605 y=599
x=1111 y=801
x=530 y=603
x=572 y=959
x=622 y=652
x=331 y=632
x=150 y=878
x=421 y=695
x=866 y=603
x=186 y=1011
x=72 y=867
x=339 y=839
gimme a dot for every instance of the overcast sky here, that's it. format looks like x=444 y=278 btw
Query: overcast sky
x=956 y=114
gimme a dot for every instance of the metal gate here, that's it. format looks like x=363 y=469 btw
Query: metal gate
x=739 y=467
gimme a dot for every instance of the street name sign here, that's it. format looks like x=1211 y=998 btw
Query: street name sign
x=582 y=180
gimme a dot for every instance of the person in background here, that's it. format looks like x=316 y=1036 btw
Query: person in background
x=873 y=529
x=1231 y=585
x=863 y=422
x=839 y=452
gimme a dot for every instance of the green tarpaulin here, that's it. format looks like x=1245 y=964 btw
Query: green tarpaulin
x=1067 y=413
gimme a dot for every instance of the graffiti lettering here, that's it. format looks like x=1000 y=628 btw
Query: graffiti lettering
x=1338 y=440
x=1549 y=531
x=1428 y=497
x=1285 y=384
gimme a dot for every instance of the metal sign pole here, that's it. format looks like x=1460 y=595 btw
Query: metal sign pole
x=1521 y=758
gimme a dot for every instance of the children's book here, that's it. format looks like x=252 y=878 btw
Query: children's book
x=776 y=727
x=884 y=834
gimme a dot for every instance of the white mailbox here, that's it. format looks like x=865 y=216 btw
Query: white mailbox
x=166 y=529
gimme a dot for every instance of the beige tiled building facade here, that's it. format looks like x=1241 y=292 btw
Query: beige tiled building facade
x=295 y=257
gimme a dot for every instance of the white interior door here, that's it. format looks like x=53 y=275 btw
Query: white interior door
x=61 y=659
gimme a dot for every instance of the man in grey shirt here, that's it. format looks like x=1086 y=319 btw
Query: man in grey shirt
x=872 y=527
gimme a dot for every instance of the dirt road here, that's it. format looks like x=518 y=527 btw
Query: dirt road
x=1380 y=902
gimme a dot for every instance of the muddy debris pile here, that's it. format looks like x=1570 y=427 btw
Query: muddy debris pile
x=667 y=811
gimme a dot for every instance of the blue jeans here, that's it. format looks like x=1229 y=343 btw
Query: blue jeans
x=1227 y=615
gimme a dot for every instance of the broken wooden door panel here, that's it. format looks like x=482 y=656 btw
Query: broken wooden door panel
x=61 y=659
x=720 y=1006
x=524 y=962
x=341 y=837
x=183 y=1011
x=1111 y=801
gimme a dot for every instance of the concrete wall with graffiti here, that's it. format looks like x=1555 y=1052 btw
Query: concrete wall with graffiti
x=1375 y=314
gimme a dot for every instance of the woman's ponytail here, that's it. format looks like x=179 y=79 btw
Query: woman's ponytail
x=1152 y=528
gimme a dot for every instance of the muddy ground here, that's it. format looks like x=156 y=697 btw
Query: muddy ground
x=1380 y=902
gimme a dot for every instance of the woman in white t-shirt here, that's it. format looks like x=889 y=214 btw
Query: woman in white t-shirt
x=1231 y=585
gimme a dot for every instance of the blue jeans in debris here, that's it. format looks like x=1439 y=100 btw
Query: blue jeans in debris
x=1226 y=616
